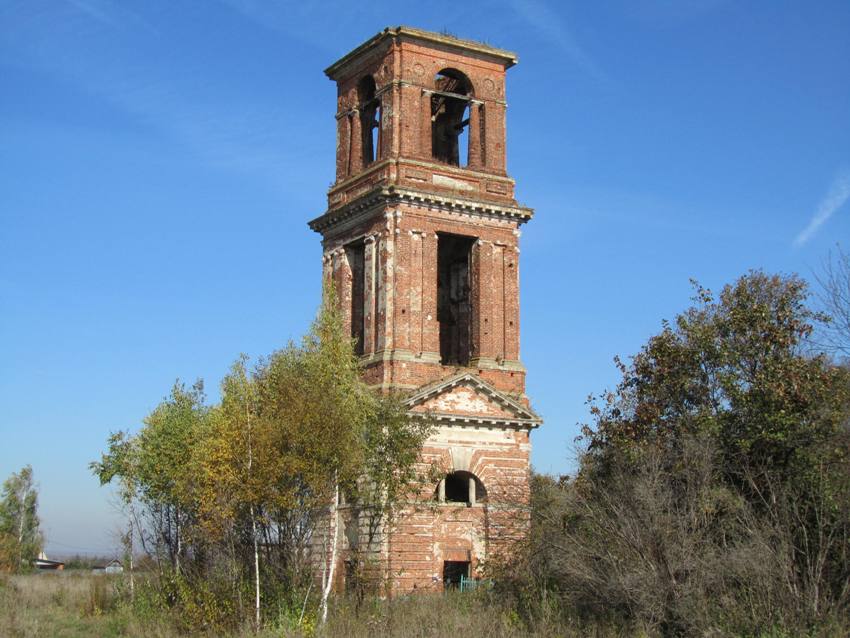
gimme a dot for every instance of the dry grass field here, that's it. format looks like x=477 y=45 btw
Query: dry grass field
x=68 y=605
x=80 y=604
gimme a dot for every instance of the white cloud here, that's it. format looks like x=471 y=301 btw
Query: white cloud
x=225 y=131
x=836 y=197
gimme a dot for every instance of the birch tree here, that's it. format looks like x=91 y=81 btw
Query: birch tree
x=236 y=467
x=153 y=467
x=20 y=538
x=255 y=482
x=319 y=406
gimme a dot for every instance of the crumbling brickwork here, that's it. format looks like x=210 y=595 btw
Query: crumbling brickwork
x=421 y=240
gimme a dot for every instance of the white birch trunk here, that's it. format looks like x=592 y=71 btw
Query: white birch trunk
x=22 y=513
x=334 y=523
x=256 y=572
x=130 y=559
x=253 y=525
x=177 y=528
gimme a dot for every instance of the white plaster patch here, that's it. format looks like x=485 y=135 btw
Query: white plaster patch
x=451 y=182
x=463 y=399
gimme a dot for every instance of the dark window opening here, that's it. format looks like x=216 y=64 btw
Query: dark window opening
x=457 y=488
x=356 y=261
x=450 y=117
x=461 y=487
x=351 y=577
x=454 y=294
x=370 y=119
x=453 y=571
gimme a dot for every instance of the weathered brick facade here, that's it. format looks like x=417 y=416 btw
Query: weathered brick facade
x=421 y=241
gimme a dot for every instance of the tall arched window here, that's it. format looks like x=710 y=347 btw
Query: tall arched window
x=370 y=119
x=450 y=117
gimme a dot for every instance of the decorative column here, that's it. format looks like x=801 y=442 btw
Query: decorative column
x=370 y=266
x=342 y=281
x=425 y=125
x=474 y=156
x=356 y=146
x=416 y=318
x=512 y=303
x=498 y=303
x=431 y=326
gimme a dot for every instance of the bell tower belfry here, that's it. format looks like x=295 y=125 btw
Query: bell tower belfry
x=420 y=239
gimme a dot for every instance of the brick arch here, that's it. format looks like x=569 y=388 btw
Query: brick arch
x=457 y=75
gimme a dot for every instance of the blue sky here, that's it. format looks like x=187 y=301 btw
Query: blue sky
x=159 y=162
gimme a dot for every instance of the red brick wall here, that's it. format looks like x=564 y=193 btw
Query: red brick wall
x=401 y=295
x=397 y=206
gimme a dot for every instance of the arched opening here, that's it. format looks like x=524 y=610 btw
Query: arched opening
x=450 y=117
x=461 y=487
x=369 y=107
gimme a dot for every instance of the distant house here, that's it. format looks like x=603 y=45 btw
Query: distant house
x=42 y=563
x=112 y=567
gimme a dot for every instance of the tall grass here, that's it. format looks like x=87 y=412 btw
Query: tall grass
x=77 y=605
x=70 y=605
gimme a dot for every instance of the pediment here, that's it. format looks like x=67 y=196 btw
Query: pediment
x=468 y=398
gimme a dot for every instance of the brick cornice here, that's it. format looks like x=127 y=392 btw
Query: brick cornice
x=382 y=196
x=467 y=47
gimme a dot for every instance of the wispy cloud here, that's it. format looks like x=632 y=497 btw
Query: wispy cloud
x=540 y=17
x=111 y=14
x=223 y=130
x=836 y=197
x=93 y=10
x=297 y=19
x=671 y=13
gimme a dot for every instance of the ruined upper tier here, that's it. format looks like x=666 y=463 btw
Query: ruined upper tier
x=424 y=112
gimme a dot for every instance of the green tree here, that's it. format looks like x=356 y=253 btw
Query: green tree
x=249 y=490
x=235 y=467
x=20 y=538
x=153 y=467
x=320 y=407
x=737 y=367
x=714 y=486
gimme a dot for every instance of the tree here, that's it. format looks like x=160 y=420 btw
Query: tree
x=119 y=463
x=20 y=538
x=153 y=467
x=391 y=475
x=736 y=366
x=320 y=407
x=714 y=486
x=246 y=494
x=834 y=295
x=236 y=467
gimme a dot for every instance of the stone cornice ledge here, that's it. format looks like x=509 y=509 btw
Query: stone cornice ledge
x=396 y=195
x=478 y=421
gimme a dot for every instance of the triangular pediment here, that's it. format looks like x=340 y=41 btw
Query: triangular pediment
x=468 y=398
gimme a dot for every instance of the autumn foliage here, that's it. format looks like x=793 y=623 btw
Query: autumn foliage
x=713 y=491
x=229 y=499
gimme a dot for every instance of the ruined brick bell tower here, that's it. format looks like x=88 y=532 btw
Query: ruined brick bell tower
x=421 y=242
